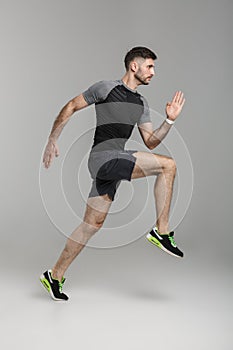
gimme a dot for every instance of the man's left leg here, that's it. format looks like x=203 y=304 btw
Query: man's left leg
x=164 y=168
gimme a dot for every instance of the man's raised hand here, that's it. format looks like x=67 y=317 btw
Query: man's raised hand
x=174 y=107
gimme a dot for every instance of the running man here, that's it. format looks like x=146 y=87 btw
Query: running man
x=119 y=107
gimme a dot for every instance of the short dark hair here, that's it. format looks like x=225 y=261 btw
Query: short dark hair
x=138 y=51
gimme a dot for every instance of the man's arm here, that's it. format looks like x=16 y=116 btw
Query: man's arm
x=152 y=138
x=67 y=111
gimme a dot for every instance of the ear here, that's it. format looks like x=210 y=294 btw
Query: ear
x=133 y=66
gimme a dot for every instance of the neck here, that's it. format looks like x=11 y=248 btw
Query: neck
x=130 y=81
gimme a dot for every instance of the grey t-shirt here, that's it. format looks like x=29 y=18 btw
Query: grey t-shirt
x=118 y=109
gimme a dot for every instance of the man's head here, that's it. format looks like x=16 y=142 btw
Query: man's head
x=140 y=62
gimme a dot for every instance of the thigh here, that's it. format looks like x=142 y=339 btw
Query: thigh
x=149 y=164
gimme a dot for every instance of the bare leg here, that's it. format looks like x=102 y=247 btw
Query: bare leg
x=163 y=190
x=96 y=212
x=164 y=167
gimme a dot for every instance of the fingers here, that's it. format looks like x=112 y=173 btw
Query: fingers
x=56 y=151
x=50 y=152
x=179 y=98
x=47 y=160
x=182 y=102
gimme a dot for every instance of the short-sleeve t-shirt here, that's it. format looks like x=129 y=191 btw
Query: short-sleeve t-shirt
x=118 y=109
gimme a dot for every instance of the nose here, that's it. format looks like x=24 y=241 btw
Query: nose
x=152 y=71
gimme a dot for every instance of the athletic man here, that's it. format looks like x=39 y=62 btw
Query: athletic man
x=118 y=108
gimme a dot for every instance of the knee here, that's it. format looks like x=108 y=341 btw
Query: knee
x=170 y=165
x=98 y=223
x=94 y=225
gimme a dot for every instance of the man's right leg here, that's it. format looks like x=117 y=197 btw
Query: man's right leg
x=96 y=212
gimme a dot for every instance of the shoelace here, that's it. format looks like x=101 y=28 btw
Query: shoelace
x=171 y=238
x=61 y=284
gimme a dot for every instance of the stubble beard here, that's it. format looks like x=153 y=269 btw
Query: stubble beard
x=142 y=81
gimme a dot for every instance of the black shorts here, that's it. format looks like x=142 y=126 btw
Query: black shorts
x=108 y=168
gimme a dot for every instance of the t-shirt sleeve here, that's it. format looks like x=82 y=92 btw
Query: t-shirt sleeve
x=145 y=117
x=98 y=91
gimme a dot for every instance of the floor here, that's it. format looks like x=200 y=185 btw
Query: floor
x=131 y=298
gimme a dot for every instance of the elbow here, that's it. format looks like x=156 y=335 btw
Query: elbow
x=150 y=147
x=151 y=142
x=148 y=143
x=70 y=107
x=153 y=145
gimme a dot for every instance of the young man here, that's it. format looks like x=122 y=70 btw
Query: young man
x=118 y=108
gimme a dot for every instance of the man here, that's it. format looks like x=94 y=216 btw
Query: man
x=118 y=108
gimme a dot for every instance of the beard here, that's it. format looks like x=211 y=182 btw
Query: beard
x=141 y=79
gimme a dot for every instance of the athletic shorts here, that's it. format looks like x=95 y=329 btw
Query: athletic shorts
x=108 y=168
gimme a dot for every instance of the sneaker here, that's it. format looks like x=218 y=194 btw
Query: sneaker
x=53 y=286
x=165 y=242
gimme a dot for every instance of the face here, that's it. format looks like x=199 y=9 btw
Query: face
x=144 y=70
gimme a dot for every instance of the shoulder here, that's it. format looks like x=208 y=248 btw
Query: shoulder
x=99 y=90
x=106 y=84
x=103 y=87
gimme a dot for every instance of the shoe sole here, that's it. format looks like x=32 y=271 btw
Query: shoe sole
x=47 y=286
x=154 y=241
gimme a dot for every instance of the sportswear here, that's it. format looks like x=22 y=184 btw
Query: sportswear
x=53 y=286
x=165 y=242
x=108 y=168
x=118 y=109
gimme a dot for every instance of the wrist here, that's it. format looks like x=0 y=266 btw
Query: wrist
x=169 y=121
x=52 y=139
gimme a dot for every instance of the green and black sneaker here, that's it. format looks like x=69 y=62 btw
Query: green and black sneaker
x=165 y=242
x=53 y=286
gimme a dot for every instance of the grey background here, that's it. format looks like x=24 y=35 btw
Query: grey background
x=131 y=297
